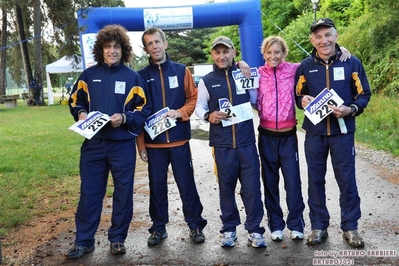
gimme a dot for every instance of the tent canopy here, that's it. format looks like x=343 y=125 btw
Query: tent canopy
x=62 y=65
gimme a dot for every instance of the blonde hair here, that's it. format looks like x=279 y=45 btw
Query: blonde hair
x=267 y=42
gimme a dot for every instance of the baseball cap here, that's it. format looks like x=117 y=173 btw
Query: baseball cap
x=223 y=40
x=322 y=22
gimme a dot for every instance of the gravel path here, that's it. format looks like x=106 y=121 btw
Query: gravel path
x=387 y=163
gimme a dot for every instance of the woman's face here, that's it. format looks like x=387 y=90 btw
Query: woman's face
x=274 y=55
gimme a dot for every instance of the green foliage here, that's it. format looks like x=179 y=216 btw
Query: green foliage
x=279 y=13
x=297 y=38
x=60 y=33
x=377 y=47
x=336 y=10
x=378 y=125
x=140 y=62
x=188 y=47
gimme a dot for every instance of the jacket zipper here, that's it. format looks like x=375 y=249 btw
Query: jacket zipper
x=163 y=97
x=328 y=87
x=231 y=102
x=275 y=80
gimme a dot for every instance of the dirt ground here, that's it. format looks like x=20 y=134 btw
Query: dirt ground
x=22 y=245
x=26 y=244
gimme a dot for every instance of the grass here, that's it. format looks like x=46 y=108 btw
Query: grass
x=39 y=163
x=39 y=156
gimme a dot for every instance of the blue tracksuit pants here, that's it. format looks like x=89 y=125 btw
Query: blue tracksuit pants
x=342 y=151
x=97 y=159
x=281 y=152
x=182 y=166
x=242 y=164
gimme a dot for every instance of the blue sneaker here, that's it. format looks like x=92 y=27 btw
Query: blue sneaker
x=257 y=240
x=229 y=239
x=277 y=235
x=296 y=235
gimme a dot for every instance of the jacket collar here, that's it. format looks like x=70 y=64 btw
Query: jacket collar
x=163 y=65
x=230 y=69
x=113 y=67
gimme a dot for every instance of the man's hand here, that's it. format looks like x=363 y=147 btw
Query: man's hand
x=116 y=120
x=143 y=155
x=341 y=111
x=173 y=114
x=82 y=116
x=217 y=116
x=306 y=100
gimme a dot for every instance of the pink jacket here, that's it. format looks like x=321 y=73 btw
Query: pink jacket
x=276 y=96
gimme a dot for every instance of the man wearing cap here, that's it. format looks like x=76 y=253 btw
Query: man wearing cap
x=323 y=69
x=233 y=145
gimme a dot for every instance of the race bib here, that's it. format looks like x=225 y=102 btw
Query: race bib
x=91 y=125
x=243 y=83
x=235 y=114
x=159 y=123
x=318 y=109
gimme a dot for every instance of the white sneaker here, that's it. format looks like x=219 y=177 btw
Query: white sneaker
x=229 y=239
x=277 y=235
x=257 y=240
x=295 y=235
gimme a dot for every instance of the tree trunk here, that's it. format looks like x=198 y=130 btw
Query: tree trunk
x=25 y=56
x=38 y=52
x=3 y=52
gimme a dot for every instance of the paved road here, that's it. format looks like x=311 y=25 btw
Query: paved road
x=379 y=226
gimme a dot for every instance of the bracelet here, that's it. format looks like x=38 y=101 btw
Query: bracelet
x=238 y=65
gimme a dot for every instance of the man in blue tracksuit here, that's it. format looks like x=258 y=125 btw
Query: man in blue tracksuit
x=170 y=85
x=114 y=89
x=323 y=69
x=234 y=148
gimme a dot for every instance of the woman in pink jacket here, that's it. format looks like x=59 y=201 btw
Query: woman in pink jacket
x=278 y=143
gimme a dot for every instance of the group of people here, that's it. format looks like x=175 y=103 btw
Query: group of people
x=130 y=97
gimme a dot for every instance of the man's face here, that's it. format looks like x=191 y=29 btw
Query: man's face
x=112 y=53
x=223 y=56
x=324 y=39
x=155 y=47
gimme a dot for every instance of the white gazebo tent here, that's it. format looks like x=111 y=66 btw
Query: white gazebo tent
x=62 y=65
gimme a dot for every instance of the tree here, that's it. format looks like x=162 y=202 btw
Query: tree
x=279 y=14
x=3 y=58
x=61 y=37
x=25 y=54
x=37 y=22
x=187 y=47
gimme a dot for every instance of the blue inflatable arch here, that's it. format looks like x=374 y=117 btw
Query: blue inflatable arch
x=245 y=13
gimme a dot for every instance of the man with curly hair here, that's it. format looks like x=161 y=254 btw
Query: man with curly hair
x=112 y=88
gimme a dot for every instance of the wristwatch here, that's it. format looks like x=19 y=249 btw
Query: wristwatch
x=353 y=110
x=206 y=116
